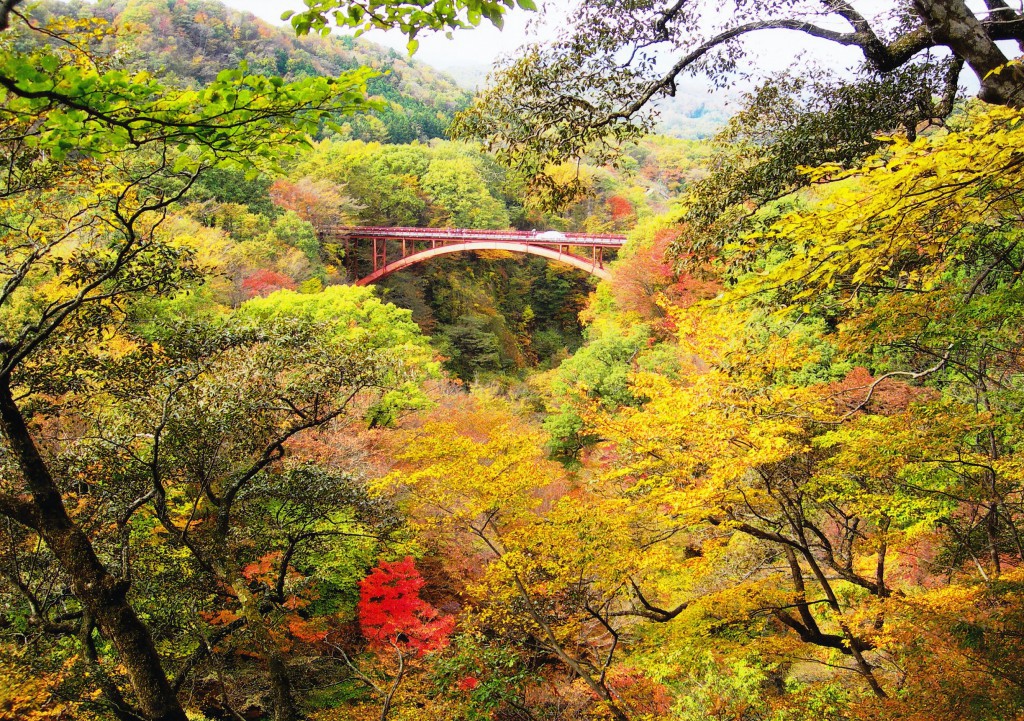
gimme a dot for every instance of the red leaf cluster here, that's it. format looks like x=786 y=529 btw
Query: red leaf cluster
x=620 y=208
x=392 y=612
x=264 y=282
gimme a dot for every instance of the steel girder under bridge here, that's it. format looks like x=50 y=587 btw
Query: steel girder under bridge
x=420 y=244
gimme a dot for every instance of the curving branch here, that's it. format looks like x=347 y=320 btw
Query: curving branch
x=880 y=56
x=649 y=610
x=203 y=651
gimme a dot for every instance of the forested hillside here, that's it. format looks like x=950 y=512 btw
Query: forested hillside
x=766 y=470
x=189 y=41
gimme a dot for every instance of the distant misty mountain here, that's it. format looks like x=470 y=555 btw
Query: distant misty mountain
x=470 y=76
x=696 y=112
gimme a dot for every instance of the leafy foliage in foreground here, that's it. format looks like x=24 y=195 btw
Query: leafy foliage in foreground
x=787 y=489
x=595 y=87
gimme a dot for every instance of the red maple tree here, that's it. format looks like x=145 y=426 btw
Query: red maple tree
x=620 y=208
x=264 y=282
x=391 y=611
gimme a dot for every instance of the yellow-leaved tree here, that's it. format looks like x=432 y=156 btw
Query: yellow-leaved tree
x=555 y=564
x=837 y=445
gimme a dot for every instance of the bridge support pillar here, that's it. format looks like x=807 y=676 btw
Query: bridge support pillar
x=380 y=253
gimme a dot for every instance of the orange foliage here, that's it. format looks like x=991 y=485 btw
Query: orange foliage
x=262 y=569
x=639 y=283
x=304 y=631
x=887 y=396
x=318 y=202
x=637 y=691
x=221 y=618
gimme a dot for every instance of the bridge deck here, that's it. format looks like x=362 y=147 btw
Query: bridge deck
x=463 y=235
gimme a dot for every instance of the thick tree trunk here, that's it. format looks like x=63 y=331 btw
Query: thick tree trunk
x=280 y=682
x=953 y=24
x=102 y=595
x=281 y=685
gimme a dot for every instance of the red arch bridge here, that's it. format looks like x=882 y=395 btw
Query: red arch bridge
x=409 y=246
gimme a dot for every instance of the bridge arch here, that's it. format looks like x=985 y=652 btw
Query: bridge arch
x=588 y=266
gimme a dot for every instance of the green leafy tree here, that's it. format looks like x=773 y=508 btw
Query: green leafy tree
x=97 y=156
x=409 y=17
x=298 y=233
x=471 y=347
x=461 y=199
x=225 y=185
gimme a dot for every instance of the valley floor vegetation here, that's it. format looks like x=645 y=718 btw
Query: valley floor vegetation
x=766 y=472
